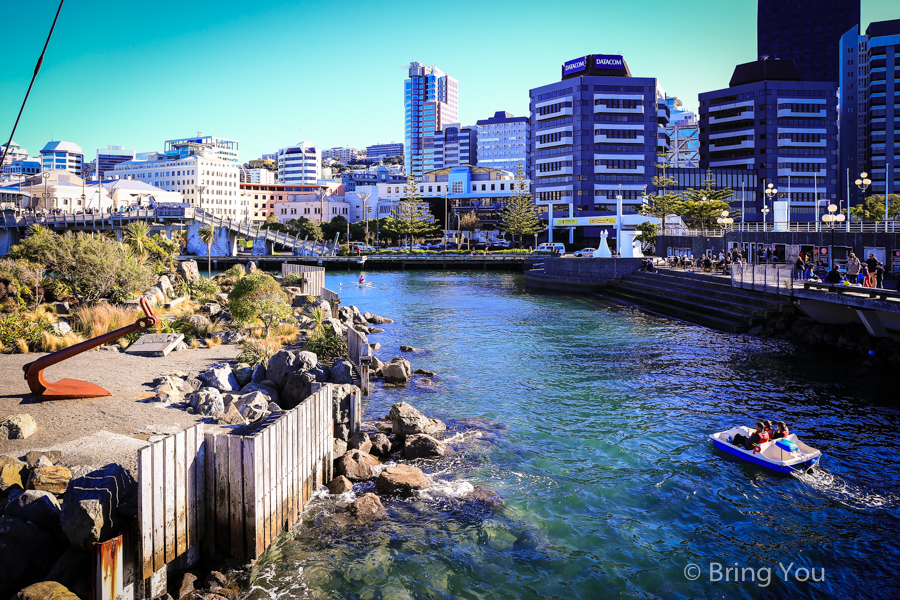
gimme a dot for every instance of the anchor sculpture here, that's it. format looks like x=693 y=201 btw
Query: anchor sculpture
x=72 y=388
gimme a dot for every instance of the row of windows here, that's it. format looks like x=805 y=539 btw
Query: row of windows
x=802 y=167
x=730 y=141
x=553 y=196
x=559 y=179
x=613 y=192
x=552 y=108
x=773 y=92
x=804 y=108
x=625 y=134
x=617 y=103
x=611 y=163
x=554 y=122
x=625 y=149
x=555 y=94
x=554 y=137
x=805 y=181
x=802 y=137
x=553 y=166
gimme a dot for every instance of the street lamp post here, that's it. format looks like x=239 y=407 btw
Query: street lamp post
x=365 y=198
x=200 y=190
x=725 y=221
x=45 y=195
x=863 y=183
x=771 y=194
x=831 y=219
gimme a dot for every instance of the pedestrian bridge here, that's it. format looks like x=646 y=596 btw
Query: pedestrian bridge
x=167 y=220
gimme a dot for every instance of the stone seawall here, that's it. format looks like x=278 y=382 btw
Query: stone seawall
x=580 y=274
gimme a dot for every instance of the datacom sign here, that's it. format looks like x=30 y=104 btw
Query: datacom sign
x=575 y=66
x=608 y=61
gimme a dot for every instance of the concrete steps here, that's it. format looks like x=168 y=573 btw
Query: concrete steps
x=706 y=300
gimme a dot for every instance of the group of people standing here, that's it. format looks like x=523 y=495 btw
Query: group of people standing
x=868 y=274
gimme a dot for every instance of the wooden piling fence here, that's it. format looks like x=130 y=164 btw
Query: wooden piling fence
x=313 y=278
x=361 y=354
x=232 y=495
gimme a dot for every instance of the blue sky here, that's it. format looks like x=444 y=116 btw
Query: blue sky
x=136 y=74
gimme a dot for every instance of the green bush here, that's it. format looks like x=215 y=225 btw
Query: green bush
x=204 y=289
x=293 y=280
x=258 y=296
x=327 y=345
x=15 y=327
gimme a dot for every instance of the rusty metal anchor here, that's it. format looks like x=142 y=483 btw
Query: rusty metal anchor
x=73 y=388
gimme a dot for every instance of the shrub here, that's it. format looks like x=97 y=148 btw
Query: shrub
x=258 y=296
x=212 y=342
x=292 y=280
x=50 y=342
x=204 y=289
x=327 y=346
x=18 y=331
x=258 y=352
x=96 y=320
x=236 y=272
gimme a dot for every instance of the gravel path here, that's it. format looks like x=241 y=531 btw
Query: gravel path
x=97 y=431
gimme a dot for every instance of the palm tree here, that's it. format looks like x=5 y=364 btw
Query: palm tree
x=208 y=236
x=137 y=235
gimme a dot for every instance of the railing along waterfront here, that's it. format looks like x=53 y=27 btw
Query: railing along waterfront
x=796 y=227
x=361 y=354
x=774 y=279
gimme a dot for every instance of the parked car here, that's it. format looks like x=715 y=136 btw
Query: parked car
x=585 y=253
x=354 y=246
x=555 y=247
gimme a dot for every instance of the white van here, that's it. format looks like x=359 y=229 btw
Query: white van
x=555 y=247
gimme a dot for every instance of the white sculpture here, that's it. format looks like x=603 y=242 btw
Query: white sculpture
x=631 y=248
x=603 y=250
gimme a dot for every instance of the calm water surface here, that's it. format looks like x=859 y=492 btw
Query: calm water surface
x=593 y=424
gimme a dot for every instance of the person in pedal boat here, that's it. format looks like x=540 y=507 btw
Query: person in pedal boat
x=769 y=429
x=782 y=432
x=759 y=438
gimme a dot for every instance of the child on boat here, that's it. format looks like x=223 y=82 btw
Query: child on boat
x=759 y=438
x=782 y=432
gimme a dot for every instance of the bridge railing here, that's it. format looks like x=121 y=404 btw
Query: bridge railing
x=774 y=279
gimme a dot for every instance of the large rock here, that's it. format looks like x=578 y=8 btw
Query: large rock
x=243 y=373
x=198 y=322
x=93 y=504
x=232 y=416
x=321 y=303
x=396 y=371
x=269 y=391
x=253 y=406
x=280 y=367
x=46 y=590
x=360 y=441
x=407 y=420
x=423 y=446
x=366 y=507
x=341 y=397
x=258 y=374
x=297 y=388
x=357 y=466
x=170 y=390
x=11 y=470
x=26 y=553
x=188 y=269
x=339 y=485
x=165 y=286
x=71 y=570
x=376 y=367
x=339 y=448
x=207 y=402
x=211 y=309
x=376 y=319
x=221 y=377
x=39 y=507
x=401 y=480
x=17 y=427
x=341 y=372
x=53 y=479
x=61 y=308
x=381 y=445
x=334 y=325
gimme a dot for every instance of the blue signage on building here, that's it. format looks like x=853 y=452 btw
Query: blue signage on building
x=608 y=61
x=574 y=66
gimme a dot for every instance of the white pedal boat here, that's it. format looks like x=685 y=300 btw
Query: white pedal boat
x=787 y=457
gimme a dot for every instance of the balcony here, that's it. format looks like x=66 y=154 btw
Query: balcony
x=622 y=170
x=731 y=145
x=787 y=112
x=561 y=112
x=635 y=140
x=790 y=172
x=601 y=108
x=747 y=114
x=558 y=171
x=787 y=143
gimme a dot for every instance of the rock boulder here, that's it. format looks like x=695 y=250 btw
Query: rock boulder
x=397 y=371
x=381 y=445
x=17 y=427
x=26 y=553
x=188 y=269
x=367 y=507
x=243 y=373
x=207 y=402
x=53 y=479
x=46 y=590
x=221 y=377
x=407 y=420
x=423 y=446
x=39 y=507
x=92 y=505
x=401 y=480
x=357 y=466
x=339 y=485
x=341 y=372
x=360 y=441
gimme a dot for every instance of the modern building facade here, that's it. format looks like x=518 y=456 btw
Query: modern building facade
x=108 y=158
x=684 y=136
x=807 y=31
x=503 y=142
x=197 y=172
x=21 y=168
x=223 y=148
x=300 y=164
x=264 y=176
x=62 y=156
x=378 y=151
x=15 y=152
x=430 y=103
x=870 y=108
x=784 y=129
x=453 y=145
x=595 y=134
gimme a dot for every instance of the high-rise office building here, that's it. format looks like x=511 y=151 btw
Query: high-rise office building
x=870 y=108
x=454 y=145
x=807 y=31
x=377 y=151
x=596 y=134
x=62 y=156
x=770 y=121
x=108 y=158
x=300 y=163
x=503 y=142
x=431 y=103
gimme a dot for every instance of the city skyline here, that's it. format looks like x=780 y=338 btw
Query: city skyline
x=206 y=67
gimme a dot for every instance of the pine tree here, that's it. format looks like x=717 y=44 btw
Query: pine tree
x=701 y=208
x=412 y=217
x=519 y=215
x=664 y=202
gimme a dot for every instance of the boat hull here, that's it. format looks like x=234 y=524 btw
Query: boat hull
x=802 y=463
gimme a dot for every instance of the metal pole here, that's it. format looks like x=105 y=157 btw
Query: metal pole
x=619 y=221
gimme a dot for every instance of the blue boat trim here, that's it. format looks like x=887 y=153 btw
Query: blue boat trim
x=749 y=457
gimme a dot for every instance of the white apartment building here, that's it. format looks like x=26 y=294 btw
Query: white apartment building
x=343 y=155
x=300 y=164
x=65 y=192
x=16 y=152
x=62 y=156
x=261 y=176
x=503 y=142
x=224 y=148
x=202 y=178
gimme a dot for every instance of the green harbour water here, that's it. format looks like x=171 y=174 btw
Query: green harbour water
x=591 y=421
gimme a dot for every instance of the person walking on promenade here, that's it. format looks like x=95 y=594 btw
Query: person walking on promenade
x=853 y=268
x=879 y=275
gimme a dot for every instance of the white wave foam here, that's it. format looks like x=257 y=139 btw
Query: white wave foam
x=845 y=492
x=452 y=488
